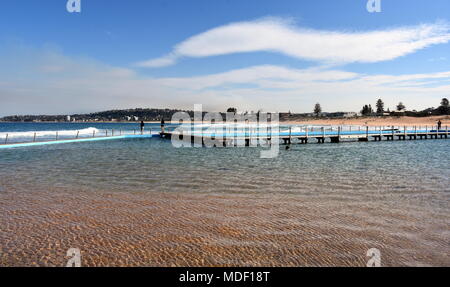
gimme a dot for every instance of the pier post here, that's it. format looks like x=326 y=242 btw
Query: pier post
x=6 y=139
x=106 y=132
x=290 y=134
x=235 y=133
x=56 y=135
x=78 y=133
x=446 y=131
x=367 y=132
x=334 y=139
x=112 y=132
x=393 y=132
x=34 y=137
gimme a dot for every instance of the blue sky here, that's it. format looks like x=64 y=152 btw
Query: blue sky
x=104 y=57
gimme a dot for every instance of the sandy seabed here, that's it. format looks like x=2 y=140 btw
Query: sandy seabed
x=194 y=229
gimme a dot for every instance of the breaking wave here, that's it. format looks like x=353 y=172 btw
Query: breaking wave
x=61 y=133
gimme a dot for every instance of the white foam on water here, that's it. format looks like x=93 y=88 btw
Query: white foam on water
x=234 y=125
x=29 y=134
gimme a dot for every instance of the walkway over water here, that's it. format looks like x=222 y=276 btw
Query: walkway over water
x=230 y=137
x=227 y=136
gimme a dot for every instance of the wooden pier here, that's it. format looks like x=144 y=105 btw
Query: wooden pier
x=255 y=137
x=308 y=135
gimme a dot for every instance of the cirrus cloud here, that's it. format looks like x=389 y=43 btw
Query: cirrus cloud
x=281 y=36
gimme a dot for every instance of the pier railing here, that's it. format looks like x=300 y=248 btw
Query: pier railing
x=284 y=132
x=304 y=132
x=310 y=130
x=44 y=136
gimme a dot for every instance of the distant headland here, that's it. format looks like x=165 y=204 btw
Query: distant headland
x=366 y=115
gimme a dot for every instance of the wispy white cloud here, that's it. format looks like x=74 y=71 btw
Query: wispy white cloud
x=281 y=36
x=52 y=83
x=167 y=60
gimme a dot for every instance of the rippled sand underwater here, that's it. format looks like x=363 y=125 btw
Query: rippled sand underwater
x=144 y=203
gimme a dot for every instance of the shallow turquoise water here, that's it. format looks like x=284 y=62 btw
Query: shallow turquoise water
x=153 y=164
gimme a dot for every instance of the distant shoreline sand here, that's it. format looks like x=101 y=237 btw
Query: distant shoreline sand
x=359 y=121
x=376 y=121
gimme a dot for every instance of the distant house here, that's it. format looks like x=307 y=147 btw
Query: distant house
x=350 y=115
x=68 y=118
x=340 y=114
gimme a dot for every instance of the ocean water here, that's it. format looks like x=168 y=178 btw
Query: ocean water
x=313 y=205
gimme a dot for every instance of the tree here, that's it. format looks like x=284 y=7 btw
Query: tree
x=232 y=110
x=366 y=110
x=444 y=109
x=400 y=107
x=380 y=107
x=317 y=109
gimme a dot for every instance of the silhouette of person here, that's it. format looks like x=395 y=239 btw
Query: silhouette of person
x=142 y=127
x=439 y=125
x=162 y=126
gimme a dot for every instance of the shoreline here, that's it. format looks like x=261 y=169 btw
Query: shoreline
x=358 y=121
x=376 y=121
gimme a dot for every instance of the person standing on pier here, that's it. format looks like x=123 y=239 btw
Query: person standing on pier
x=142 y=127
x=439 y=124
x=162 y=126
